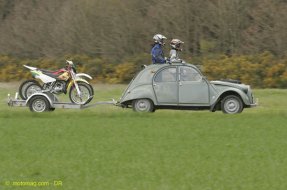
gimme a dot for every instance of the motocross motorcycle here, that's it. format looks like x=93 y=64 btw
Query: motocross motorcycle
x=65 y=80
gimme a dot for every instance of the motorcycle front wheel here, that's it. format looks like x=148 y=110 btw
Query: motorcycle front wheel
x=86 y=90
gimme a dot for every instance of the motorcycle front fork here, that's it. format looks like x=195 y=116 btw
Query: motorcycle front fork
x=78 y=89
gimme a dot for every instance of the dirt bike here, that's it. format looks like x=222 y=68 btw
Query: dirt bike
x=61 y=81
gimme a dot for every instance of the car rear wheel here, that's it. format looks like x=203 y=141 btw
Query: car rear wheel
x=231 y=104
x=143 y=105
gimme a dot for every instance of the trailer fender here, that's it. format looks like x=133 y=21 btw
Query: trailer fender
x=41 y=94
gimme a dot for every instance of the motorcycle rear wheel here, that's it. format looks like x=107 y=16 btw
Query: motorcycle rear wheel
x=24 y=86
x=31 y=89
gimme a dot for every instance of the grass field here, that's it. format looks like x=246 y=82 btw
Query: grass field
x=110 y=148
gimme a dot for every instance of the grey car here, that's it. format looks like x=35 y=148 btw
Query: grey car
x=182 y=86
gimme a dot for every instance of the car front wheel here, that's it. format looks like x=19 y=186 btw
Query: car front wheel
x=231 y=104
x=143 y=105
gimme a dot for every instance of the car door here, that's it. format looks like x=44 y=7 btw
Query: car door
x=166 y=86
x=193 y=89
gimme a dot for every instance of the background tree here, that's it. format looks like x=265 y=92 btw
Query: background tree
x=115 y=30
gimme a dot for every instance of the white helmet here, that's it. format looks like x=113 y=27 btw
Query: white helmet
x=158 y=38
x=175 y=43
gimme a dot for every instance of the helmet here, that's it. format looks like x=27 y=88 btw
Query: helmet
x=158 y=38
x=175 y=44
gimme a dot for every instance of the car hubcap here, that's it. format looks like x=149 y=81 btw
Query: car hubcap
x=143 y=105
x=231 y=106
x=39 y=105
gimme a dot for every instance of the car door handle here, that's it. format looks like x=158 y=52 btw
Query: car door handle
x=180 y=84
x=154 y=84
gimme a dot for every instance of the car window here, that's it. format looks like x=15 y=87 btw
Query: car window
x=189 y=74
x=166 y=75
x=145 y=76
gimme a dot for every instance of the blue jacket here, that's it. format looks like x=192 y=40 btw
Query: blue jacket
x=157 y=54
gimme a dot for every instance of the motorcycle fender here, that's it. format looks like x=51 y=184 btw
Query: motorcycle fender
x=83 y=75
x=77 y=80
x=31 y=68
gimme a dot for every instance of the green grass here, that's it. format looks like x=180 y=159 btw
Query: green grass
x=114 y=148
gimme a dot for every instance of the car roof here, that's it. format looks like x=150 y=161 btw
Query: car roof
x=146 y=75
x=159 y=66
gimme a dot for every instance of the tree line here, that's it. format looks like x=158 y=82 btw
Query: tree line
x=111 y=39
x=115 y=29
x=258 y=70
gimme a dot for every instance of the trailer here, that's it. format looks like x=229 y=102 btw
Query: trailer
x=46 y=101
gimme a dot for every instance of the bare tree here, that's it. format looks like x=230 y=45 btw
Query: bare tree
x=267 y=30
x=114 y=29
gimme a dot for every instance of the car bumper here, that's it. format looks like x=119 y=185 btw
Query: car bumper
x=256 y=103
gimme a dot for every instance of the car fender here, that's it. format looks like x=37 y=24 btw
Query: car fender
x=139 y=92
x=239 y=92
x=77 y=80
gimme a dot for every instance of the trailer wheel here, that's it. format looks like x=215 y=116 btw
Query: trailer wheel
x=39 y=104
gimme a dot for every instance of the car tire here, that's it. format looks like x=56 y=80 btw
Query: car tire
x=231 y=104
x=143 y=105
x=39 y=104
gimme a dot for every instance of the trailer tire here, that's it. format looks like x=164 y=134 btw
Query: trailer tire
x=39 y=104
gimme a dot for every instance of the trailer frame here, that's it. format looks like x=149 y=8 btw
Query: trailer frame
x=50 y=102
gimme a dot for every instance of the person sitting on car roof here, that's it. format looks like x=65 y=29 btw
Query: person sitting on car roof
x=157 y=51
x=175 y=48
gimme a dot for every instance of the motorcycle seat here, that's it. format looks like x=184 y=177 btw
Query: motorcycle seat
x=50 y=73
x=53 y=74
x=47 y=71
